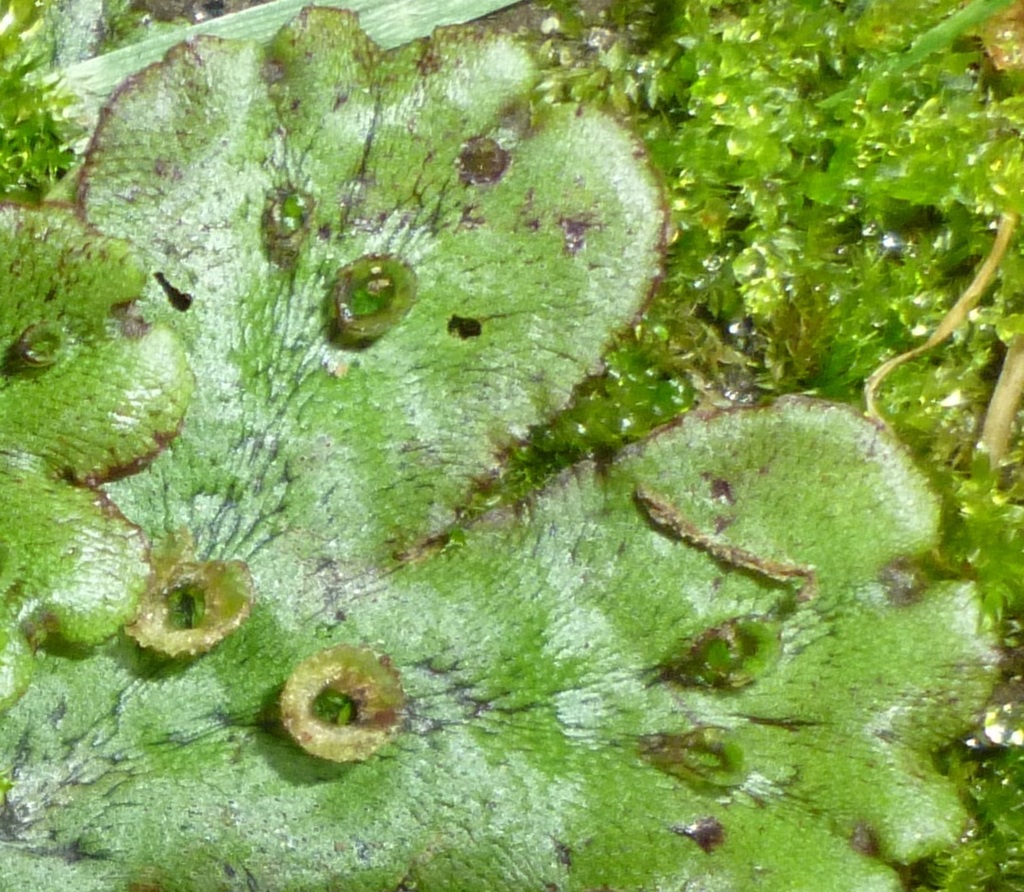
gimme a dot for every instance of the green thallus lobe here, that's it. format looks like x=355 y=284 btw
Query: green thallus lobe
x=527 y=653
x=88 y=390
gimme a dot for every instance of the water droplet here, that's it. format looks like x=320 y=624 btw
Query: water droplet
x=39 y=347
x=731 y=655
x=703 y=758
x=1004 y=724
x=286 y=225
x=343 y=703
x=482 y=160
x=371 y=296
x=892 y=243
x=742 y=328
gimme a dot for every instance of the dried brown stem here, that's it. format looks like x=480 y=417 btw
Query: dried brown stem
x=953 y=319
x=1002 y=408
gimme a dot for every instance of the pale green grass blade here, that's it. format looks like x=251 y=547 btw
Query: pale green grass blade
x=389 y=22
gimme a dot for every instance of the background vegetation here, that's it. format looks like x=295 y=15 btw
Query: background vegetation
x=835 y=172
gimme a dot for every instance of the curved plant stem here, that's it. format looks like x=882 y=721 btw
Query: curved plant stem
x=952 y=320
x=1002 y=409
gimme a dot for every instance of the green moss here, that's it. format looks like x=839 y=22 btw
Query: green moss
x=34 y=136
x=640 y=388
x=34 y=150
x=992 y=856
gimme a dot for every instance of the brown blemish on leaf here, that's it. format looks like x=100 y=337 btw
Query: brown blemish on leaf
x=420 y=551
x=574 y=230
x=482 y=161
x=864 y=839
x=665 y=518
x=706 y=757
x=133 y=325
x=161 y=440
x=563 y=853
x=468 y=220
x=38 y=347
x=180 y=300
x=465 y=327
x=721 y=490
x=728 y=656
x=722 y=523
x=902 y=582
x=1003 y=38
x=285 y=225
x=708 y=833
x=273 y=71
x=429 y=61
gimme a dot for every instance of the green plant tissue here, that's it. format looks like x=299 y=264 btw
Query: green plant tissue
x=712 y=663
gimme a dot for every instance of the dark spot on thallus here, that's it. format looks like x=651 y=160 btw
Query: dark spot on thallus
x=575 y=233
x=429 y=62
x=481 y=161
x=723 y=523
x=902 y=581
x=465 y=328
x=563 y=853
x=133 y=326
x=708 y=833
x=180 y=300
x=273 y=71
x=721 y=490
x=864 y=840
